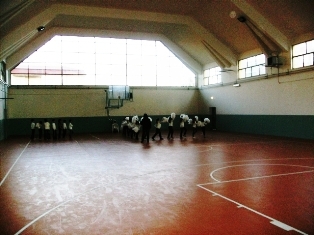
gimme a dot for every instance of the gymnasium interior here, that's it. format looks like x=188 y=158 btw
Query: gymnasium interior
x=247 y=66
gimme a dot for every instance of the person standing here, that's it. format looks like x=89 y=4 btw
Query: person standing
x=194 y=126
x=146 y=124
x=136 y=129
x=70 y=129
x=170 y=128
x=64 y=129
x=32 y=129
x=54 y=129
x=47 y=130
x=157 y=131
x=182 y=128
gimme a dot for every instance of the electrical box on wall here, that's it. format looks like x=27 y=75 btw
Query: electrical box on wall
x=273 y=61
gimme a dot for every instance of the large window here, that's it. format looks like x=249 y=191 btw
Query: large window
x=252 y=66
x=212 y=76
x=70 y=60
x=303 y=54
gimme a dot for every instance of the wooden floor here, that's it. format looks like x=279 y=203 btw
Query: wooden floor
x=108 y=184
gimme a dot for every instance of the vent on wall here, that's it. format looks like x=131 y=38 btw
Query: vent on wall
x=273 y=61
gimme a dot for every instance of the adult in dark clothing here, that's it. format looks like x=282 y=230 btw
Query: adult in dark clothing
x=146 y=125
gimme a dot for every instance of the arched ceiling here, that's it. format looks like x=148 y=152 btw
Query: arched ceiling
x=200 y=32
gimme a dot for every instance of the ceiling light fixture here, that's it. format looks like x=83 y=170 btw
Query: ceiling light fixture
x=41 y=28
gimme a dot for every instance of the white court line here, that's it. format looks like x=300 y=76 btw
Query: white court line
x=258 y=164
x=14 y=164
x=39 y=217
x=272 y=220
x=256 y=160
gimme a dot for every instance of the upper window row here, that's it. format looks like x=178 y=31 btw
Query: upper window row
x=70 y=60
x=302 y=56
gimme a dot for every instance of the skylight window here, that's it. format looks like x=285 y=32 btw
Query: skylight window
x=71 y=60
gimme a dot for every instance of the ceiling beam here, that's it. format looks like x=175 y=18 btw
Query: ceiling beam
x=264 y=25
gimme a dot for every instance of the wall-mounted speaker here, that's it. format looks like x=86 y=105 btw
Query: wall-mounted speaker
x=273 y=61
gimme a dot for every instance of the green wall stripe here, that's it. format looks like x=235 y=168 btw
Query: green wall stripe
x=296 y=126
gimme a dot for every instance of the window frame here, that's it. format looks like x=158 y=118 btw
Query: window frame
x=213 y=77
x=299 y=57
x=248 y=67
x=152 y=57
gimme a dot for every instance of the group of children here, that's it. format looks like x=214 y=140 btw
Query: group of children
x=44 y=129
x=132 y=128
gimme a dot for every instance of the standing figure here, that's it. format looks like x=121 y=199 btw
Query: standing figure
x=157 y=131
x=182 y=128
x=203 y=125
x=170 y=126
x=32 y=129
x=146 y=124
x=132 y=125
x=40 y=130
x=194 y=125
x=64 y=130
x=54 y=129
x=70 y=129
x=124 y=126
x=47 y=130
x=136 y=129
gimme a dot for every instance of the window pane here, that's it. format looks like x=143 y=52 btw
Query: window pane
x=310 y=46
x=241 y=73
x=308 y=59
x=252 y=66
x=242 y=64
x=35 y=79
x=260 y=59
x=262 y=69
x=17 y=79
x=251 y=61
x=86 y=58
x=53 y=80
x=297 y=62
x=70 y=57
x=299 y=49
x=206 y=73
x=255 y=71
x=205 y=81
x=70 y=46
x=248 y=72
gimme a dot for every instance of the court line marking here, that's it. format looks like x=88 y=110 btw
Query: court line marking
x=69 y=200
x=7 y=174
x=255 y=160
x=41 y=216
x=212 y=173
x=239 y=205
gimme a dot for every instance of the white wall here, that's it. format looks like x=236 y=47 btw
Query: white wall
x=46 y=103
x=289 y=95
